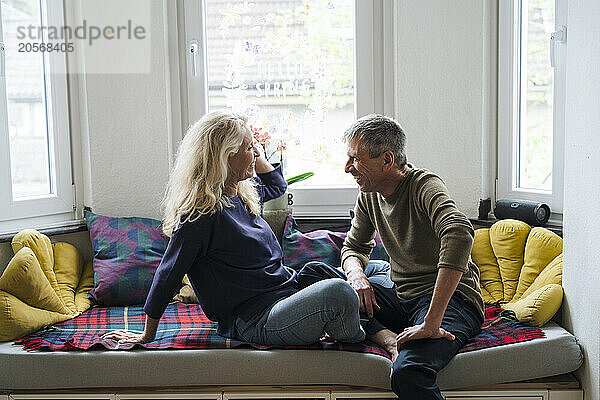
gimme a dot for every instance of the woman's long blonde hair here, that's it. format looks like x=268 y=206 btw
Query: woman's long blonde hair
x=198 y=176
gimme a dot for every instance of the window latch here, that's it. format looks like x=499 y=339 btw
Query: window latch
x=194 y=49
x=559 y=36
x=2 y=63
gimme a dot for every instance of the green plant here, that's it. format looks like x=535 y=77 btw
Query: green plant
x=299 y=178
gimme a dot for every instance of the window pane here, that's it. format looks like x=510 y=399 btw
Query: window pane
x=537 y=87
x=26 y=99
x=289 y=65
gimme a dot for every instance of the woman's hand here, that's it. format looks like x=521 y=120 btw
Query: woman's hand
x=262 y=165
x=259 y=148
x=122 y=336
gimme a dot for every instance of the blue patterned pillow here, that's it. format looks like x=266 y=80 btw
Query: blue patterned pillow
x=320 y=245
x=127 y=252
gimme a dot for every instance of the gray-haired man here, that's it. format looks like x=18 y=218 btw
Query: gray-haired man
x=435 y=304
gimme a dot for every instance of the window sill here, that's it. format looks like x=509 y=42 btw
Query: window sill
x=305 y=223
x=73 y=226
x=308 y=224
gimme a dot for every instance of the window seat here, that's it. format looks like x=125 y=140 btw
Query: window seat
x=251 y=370
x=556 y=354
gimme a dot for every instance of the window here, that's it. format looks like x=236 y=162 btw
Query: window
x=290 y=69
x=302 y=71
x=35 y=159
x=531 y=93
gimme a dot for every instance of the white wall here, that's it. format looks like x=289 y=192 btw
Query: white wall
x=126 y=144
x=581 y=274
x=442 y=67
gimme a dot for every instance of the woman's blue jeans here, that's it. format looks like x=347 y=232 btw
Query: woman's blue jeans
x=329 y=306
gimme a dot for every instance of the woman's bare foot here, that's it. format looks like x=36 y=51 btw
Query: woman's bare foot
x=325 y=338
x=386 y=339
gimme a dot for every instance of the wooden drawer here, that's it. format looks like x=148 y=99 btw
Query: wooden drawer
x=169 y=396
x=61 y=396
x=463 y=395
x=286 y=394
x=498 y=395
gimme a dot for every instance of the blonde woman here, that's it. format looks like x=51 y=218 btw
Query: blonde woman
x=233 y=260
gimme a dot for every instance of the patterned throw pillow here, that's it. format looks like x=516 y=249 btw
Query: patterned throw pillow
x=127 y=252
x=320 y=245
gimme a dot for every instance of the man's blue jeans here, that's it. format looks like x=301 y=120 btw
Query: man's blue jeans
x=414 y=371
x=326 y=306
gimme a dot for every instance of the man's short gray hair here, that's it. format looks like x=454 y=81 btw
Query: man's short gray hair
x=377 y=134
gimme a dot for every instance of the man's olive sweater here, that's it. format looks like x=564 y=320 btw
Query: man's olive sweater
x=421 y=230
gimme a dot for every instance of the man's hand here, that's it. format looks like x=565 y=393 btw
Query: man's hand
x=122 y=336
x=422 y=331
x=445 y=285
x=358 y=280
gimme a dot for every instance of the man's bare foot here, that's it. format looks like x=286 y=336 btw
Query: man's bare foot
x=386 y=339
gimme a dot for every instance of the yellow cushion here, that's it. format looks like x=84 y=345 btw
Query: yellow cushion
x=549 y=275
x=43 y=284
x=24 y=279
x=521 y=268
x=508 y=243
x=186 y=293
x=17 y=318
x=483 y=255
x=542 y=247
x=537 y=308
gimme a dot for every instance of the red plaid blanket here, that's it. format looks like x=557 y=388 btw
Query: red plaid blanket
x=184 y=326
x=501 y=327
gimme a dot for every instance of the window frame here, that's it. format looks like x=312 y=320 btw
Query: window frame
x=59 y=207
x=374 y=70
x=509 y=70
